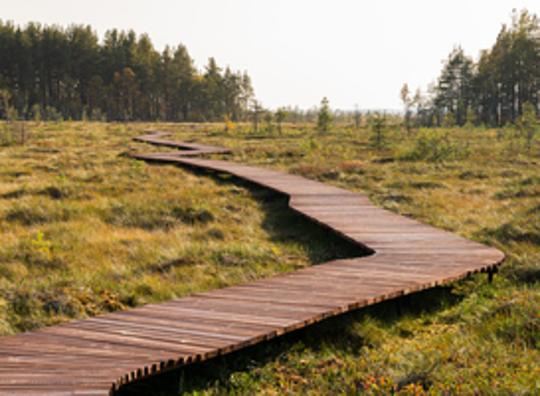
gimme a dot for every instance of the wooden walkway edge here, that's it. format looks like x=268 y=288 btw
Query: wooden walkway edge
x=95 y=356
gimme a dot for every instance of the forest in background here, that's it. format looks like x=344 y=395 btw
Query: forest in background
x=492 y=91
x=51 y=72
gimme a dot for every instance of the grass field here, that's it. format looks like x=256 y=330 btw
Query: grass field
x=85 y=230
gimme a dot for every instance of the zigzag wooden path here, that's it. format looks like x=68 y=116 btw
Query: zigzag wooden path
x=95 y=356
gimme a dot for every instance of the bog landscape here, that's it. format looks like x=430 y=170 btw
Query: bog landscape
x=165 y=233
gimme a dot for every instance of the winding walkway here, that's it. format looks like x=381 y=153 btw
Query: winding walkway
x=95 y=356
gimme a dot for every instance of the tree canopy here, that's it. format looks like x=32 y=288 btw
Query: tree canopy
x=68 y=71
x=493 y=90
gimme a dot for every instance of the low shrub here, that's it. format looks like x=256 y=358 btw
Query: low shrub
x=435 y=147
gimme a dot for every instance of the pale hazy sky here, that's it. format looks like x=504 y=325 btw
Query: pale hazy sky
x=297 y=51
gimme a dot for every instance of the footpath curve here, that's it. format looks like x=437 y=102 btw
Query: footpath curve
x=96 y=356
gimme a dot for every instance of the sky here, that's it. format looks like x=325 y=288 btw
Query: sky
x=355 y=52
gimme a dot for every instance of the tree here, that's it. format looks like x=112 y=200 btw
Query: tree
x=68 y=73
x=357 y=118
x=126 y=91
x=269 y=121
x=377 y=123
x=5 y=102
x=418 y=100
x=324 y=118
x=505 y=77
x=183 y=72
x=213 y=90
x=528 y=124
x=454 y=92
x=256 y=112
x=280 y=117
x=471 y=118
x=405 y=97
x=449 y=120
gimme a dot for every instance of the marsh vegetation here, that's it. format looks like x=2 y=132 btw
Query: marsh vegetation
x=87 y=230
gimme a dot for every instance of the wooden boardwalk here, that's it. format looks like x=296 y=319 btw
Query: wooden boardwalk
x=95 y=356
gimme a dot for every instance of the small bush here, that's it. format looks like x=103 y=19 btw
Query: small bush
x=55 y=192
x=38 y=252
x=434 y=147
x=378 y=127
x=52 y=114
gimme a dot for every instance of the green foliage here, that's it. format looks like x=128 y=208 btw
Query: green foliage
x=36 y=112
x=528 y=124
x=407 y=103
x=280 y=116
x=449 y=120
x=378 y=127
x=471 y=118
x=324 y=118
x=435 y=147
x=71 y=72
x=489 y=85
x=39 y=252
x=52 y=114
x=357 y=119
x=269 y=123
x=256 y=112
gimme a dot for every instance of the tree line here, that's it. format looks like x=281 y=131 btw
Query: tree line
x=53 y=72
x=492 y=91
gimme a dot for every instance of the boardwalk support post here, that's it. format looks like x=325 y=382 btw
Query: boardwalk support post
x=491 y=272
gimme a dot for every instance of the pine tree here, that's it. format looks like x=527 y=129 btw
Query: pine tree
x=471 y=118
x=280 y=117
x=378 y=126
x=357 y=118
x=324 y=118
x=528 y=124
x=405 y=97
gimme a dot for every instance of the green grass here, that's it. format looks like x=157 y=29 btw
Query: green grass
x=88 y=230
